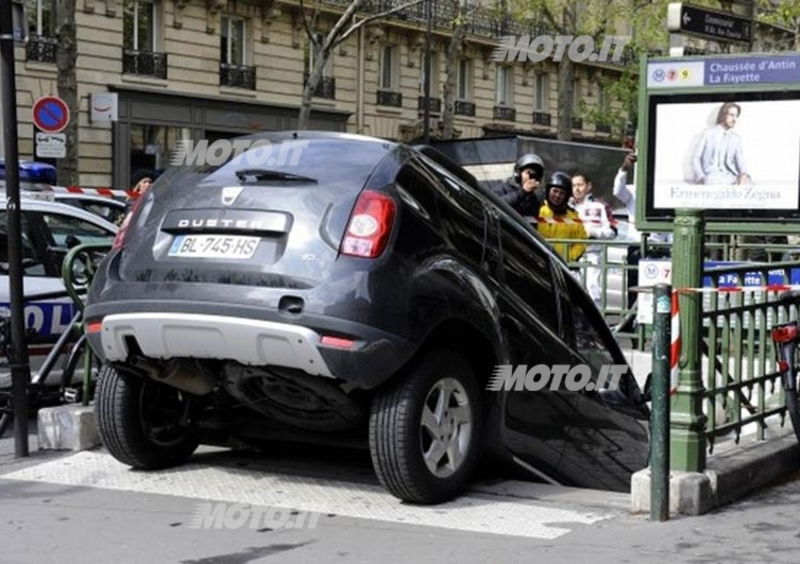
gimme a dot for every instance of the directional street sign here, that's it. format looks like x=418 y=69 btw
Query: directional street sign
x=50 y=114
x=708 y=24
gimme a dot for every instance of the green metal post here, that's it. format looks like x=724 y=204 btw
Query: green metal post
x=687 y=428
x=659 y=414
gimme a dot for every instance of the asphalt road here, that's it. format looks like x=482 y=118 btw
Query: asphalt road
x=85 y=507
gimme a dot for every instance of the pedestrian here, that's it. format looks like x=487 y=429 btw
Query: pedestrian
x=520 y=191
x=141 y=181
x=564 y=222
x=599 y=224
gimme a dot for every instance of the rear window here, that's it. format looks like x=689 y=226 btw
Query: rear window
x=327 y=160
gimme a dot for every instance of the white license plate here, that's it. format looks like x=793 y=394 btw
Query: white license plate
x=214 y=246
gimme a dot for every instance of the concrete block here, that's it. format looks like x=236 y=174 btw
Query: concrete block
x=68 y=427
x=690 y=493
x=640 y=491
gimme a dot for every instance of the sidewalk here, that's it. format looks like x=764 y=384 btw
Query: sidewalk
x=101 y=523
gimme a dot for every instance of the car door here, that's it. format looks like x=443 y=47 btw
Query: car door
x=46 y=231
x=533 y=420
x=607 y=438
x=44 y=320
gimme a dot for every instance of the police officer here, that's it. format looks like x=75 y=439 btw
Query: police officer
x=519 y=191
x=558 y=191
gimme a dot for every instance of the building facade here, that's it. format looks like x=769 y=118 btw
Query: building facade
x=211 y=69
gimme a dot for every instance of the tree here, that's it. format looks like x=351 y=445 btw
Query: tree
x=323 y=45
x=596 y=19
x=67 y=84
x=454 y=49
x=781 y=12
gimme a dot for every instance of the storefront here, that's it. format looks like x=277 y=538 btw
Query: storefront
x=151 y=123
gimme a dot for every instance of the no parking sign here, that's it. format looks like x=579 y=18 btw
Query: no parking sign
x=50 y=114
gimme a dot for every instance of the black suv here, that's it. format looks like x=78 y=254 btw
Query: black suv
x=363 y=292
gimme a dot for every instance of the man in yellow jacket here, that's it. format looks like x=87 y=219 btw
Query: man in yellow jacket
x=564 y=221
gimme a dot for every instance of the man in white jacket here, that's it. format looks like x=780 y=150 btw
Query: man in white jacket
x=599 y=223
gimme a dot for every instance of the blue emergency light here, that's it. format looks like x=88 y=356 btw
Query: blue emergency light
x=32 y=172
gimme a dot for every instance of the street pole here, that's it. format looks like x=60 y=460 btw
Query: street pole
x=687 y=422
x=18 y=352
x=426 y=116
x=659 y=414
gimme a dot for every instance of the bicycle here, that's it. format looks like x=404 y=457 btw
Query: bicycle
x=77 y=270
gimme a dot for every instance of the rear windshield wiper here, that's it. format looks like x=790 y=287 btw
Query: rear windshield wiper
x=264 y=174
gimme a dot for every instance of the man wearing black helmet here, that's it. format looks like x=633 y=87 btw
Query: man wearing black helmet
x=519 y=191
x=554 y=210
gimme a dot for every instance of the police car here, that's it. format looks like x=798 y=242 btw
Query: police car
x=49 y=230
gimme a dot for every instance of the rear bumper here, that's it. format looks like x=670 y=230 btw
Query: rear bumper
x=247 y=341
x=255 y=336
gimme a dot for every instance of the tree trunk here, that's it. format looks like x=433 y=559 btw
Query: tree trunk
x=308 y=93
x=566 y=78
x=66 y=59
x=452 y=59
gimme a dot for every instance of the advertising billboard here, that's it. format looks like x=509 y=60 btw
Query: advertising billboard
x=722 y=135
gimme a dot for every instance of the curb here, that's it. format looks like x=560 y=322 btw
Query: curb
x=728 y=477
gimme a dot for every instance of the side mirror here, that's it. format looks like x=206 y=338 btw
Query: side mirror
x=72 y=241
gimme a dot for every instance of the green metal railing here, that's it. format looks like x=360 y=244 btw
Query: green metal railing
x=742 y=382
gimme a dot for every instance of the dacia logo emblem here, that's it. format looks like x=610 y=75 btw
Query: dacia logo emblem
x=230 y=193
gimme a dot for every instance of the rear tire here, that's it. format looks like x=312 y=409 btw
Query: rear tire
x=425 y=429
x=142 y=422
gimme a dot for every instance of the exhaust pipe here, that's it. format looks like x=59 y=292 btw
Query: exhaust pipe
x=185 y=375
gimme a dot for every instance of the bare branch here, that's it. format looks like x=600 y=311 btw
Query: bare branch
x=332 y=39
x=368 y=19
x=306 y=24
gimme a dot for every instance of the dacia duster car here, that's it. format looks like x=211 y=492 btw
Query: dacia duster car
x=359 y=291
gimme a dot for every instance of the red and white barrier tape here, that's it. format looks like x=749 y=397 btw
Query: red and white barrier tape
x=675 y=345
x=107 y=192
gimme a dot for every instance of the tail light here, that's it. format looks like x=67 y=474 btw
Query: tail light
x=784 y=334
x=370 y=225
x=119 y=240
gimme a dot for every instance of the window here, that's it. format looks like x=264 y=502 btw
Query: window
x=504 y=83
x=41 y=17
x=434 y=73
x=232 y=41
x=139 y=25
x=62 y=226
x=42 y=44
x=312 y=52
x=31 y=262
x=389 y=68
x=151 y=146
x=576 y=95
x=541 y=98
x=603 y=100
x=464 y=79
